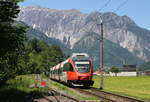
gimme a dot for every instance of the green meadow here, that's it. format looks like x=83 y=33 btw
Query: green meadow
x=18 y=88
x=138 y=87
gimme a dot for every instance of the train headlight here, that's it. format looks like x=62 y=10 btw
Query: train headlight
x=83 y=78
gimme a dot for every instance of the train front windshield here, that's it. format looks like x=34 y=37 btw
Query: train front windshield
x=83 y=67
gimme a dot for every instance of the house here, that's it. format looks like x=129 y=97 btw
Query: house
x=147 y=72
x=129 y=68
x=126 y=70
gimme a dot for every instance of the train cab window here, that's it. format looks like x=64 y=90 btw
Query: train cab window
x=68 y=67
x=71 y=68
x=83 y=67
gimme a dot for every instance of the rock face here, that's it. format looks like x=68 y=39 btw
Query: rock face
x=70 y=26
x=114 y=54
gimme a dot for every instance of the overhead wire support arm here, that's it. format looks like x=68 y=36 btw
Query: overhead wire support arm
x=101 y=48
x=102 y=43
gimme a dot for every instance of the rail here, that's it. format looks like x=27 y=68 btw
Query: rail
x=108 y=96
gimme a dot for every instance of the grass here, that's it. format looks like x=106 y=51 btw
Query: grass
x=68 y=91
x=16 y=89
x=138 y=87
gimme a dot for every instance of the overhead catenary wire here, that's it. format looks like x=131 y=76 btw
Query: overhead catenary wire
x=120 y=6
x=106 y=4
x=94 y=25
x=102 y=43
x=101 y=47
x=103 y=6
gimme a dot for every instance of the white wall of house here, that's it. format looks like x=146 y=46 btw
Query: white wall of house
x=124 y=74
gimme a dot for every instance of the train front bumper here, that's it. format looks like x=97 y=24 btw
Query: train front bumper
x=83 y=82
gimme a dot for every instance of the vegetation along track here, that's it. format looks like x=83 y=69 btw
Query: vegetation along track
x=106 y=96
x=64 y=95
x=103 y=95
x=54 y=96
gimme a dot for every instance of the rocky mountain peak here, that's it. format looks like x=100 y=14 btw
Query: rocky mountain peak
x=69 y=26
x=33 y=7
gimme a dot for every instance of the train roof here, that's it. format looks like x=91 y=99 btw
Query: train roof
x=80 y=56
x=75 y=57
x=60 y=65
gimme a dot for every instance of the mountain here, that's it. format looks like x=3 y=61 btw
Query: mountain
x=34 y=33
x=114 y=54
x=54 y=23
x=145 y=66
x=71 y=26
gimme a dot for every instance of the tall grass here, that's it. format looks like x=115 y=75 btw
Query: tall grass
x=138 y=87
x=16 y=89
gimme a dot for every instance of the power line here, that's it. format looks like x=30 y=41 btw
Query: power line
x=106 y=4
x=120 y=6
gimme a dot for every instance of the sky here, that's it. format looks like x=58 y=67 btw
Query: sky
x=137 y=10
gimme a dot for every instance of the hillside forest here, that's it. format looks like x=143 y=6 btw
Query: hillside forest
x=18 y=54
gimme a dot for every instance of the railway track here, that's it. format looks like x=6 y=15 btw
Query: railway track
x=55 y=96
x=56 y=93
x=51 y=95
x=103 y=95
x=107 y=96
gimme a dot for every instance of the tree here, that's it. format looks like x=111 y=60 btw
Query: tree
x=145 y=66
x=106 y=70
x=115 y=70
x=12 y=37
x=42 y=56
x=12 y=34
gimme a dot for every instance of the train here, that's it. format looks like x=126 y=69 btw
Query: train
x=76 y=70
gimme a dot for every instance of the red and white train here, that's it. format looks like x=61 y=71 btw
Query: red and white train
x=75 y=70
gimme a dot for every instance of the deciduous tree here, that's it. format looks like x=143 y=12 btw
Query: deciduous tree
x=12 y=37
x=115 y=70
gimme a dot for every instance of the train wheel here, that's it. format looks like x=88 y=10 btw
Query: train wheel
x=69 y=83
x=86 y=86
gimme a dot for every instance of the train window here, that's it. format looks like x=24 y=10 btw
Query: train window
x=68 y=67
x=71 y=68
x=59 y=71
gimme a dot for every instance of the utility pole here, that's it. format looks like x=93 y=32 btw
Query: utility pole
x=101 y=56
